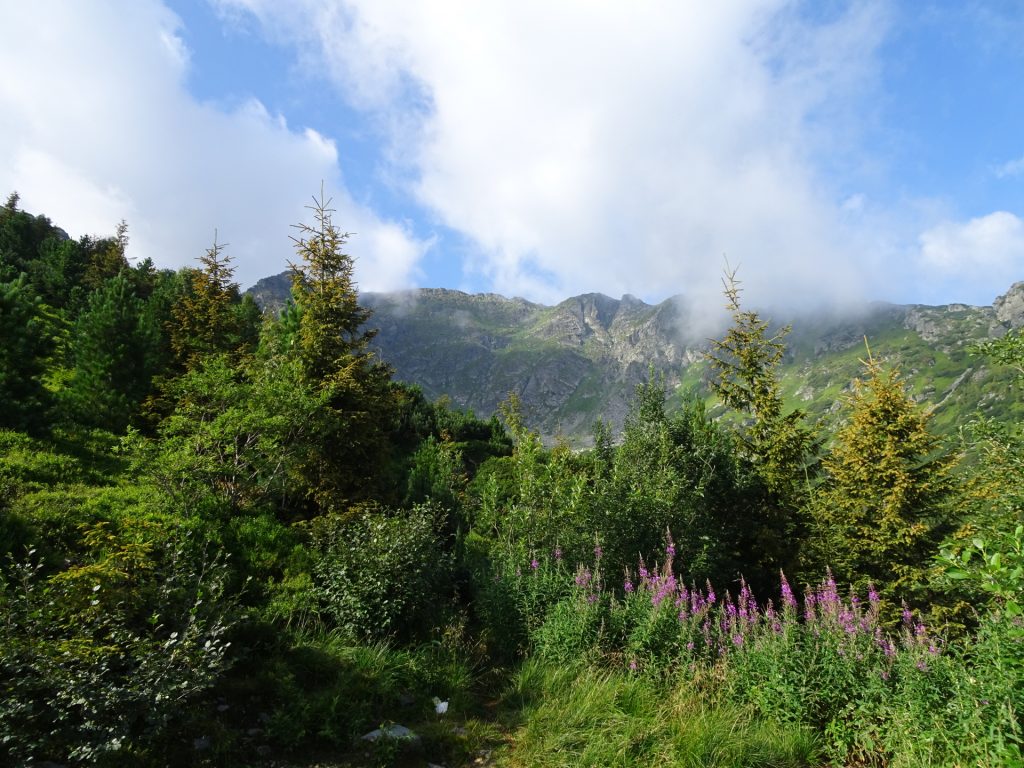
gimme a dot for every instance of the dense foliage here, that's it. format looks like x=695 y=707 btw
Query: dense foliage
x=231 y=539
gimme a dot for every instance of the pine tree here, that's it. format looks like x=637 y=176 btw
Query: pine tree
x=879 y=515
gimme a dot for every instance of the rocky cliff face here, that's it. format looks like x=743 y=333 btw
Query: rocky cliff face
x=1009 y=308
x=581 y=360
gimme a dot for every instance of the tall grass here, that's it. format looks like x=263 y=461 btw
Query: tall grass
x=585 y=716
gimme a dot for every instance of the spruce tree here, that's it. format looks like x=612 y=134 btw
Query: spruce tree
x=332 y=345
x=778 y=443
x=206 y=321
x=106 y=258
x=113 y=348
x=775 y=445
x=880 y=513
x=332 y=336
x=27 y=343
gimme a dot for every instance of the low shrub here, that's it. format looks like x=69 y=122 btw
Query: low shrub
x=98 y=659
x=379 y=574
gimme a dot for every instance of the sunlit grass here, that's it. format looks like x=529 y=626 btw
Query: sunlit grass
x=600 y=717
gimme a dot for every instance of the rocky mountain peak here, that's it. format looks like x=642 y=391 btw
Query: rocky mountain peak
x=581 y=359
x=1010 y=306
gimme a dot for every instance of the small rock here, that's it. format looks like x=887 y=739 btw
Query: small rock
x=263 y=750
x=254 y=732
x=200 y=744
x=223 y=707
x=397 y=732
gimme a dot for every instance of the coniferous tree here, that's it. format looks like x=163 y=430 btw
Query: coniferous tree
x=779 y=444
x=332 y=337
x=206 y=320
x=22 y=235
x=27 y=342
x=777 y=447
x=113 y=348
x=880 y=513
x=333 y=347
x=107 y=258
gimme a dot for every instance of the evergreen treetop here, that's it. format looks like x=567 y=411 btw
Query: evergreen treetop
x=331 y=335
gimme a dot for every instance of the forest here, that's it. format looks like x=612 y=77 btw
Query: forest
x=234 y=539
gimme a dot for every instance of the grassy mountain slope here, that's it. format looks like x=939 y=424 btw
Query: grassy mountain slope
x=580 y=360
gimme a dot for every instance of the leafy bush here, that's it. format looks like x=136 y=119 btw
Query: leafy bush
x=513 y=593
x=380 y=574
x=96 y=660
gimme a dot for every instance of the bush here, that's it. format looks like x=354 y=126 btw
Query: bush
x=379 y=574
x=97 y=660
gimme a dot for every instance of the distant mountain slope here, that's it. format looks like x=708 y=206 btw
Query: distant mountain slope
x=581 y=359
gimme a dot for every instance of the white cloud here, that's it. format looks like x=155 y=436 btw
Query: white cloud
x=621 y=147
x=97 y=125
x=1010 y=168
x=980 y=252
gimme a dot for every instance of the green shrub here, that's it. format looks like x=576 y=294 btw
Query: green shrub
x=380 y=574
x=513 y=594
x=98 y=659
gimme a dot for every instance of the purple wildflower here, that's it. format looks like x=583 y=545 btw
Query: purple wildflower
x=534 y=565
x=809 y=602
x=598 y=552
x=788 y=601
x=628 y=586
x=558 y=554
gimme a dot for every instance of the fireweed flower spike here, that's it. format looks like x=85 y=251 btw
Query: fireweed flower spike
x=788 y=600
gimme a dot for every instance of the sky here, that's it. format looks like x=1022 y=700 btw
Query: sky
x=830 y=151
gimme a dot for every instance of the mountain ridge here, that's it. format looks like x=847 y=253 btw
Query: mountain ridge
x=581 y=359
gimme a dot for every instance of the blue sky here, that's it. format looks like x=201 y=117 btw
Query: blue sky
x=834 y=150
